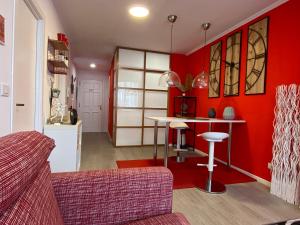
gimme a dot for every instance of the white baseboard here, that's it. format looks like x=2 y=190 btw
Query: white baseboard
x=258 y=179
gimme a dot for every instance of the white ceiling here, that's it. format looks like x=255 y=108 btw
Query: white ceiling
x=96 y=27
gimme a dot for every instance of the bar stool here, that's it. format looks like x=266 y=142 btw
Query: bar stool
x=180 y=139
x=212 y=186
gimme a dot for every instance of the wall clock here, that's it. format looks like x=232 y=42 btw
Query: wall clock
x=215 y=70
x=232 y=65
x=257 y=57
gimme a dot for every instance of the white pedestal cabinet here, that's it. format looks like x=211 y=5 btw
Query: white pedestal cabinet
x=65 y=157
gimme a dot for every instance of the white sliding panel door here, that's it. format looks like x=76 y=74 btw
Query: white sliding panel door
x=138 y=95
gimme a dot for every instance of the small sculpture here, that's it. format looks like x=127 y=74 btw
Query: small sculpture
x=187 y=84
x=58 y=111
x=212 y=113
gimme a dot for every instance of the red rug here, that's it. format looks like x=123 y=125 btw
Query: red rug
x=188 y=174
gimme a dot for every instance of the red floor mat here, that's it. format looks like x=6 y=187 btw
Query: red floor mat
x=188 y=174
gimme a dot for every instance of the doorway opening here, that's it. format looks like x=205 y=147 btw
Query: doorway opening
x=28 y=66
x=92 y=102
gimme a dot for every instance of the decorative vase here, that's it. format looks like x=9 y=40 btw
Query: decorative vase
x=211 y=113
x=229 y=113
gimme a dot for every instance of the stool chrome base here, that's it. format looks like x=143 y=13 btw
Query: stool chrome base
x=214 y=188
x=211 y=186
x=180 y=158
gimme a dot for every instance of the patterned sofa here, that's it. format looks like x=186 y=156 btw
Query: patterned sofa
x=30 y=194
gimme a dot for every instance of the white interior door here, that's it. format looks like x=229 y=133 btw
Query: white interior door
x=24 y=77
x=91 y=105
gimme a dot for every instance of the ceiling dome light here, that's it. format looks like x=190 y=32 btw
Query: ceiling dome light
x=93 y=65
x=139 y=11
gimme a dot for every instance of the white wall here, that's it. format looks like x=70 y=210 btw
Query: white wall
x=52 y=27
x=7 y=11
x=99 y=76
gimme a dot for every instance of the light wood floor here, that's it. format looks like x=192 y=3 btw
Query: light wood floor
x=247 y=203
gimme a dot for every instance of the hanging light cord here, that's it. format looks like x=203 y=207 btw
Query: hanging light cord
x=204 y=38
x=203 y=58
x=171 y=50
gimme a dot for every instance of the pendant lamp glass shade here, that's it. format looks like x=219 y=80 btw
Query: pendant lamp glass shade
x=169 y=79
x=201 y=80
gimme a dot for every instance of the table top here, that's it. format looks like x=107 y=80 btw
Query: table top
x=193 y=120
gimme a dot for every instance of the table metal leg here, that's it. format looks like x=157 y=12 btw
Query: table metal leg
x=155 y=140
x=229 y=145
x=166 y=153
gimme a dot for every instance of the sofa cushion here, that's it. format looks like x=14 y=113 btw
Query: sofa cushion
x=166 y=219
x=37 y=205
x=21 y=157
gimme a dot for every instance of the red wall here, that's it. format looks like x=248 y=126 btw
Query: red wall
x=111 y=99
x=252 y=142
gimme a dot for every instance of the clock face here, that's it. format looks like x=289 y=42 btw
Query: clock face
x=256 y=57
x=215 y=70
x=232 y=65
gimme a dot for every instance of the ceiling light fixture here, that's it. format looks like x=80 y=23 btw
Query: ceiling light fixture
x=170 y=78
x=202 y=79
x=139 y=11
x=93 y=65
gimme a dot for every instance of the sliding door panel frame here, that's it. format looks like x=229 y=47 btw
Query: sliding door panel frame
x=143 y=108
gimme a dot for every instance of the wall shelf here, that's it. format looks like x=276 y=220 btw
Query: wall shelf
x=185 y=106
x=59 y=45
x=57 y=63
x=58 y=57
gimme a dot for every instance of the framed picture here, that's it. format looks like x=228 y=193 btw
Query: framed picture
x=2 y=30
x=257 y=57
x=232 y=64
x=215 y=70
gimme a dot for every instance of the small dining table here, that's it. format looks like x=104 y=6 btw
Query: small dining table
x=210 y=121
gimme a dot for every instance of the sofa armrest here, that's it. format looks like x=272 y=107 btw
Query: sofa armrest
x=113 y=196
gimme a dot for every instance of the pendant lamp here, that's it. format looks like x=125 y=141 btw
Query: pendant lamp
x=202 y=79
x=170 y=78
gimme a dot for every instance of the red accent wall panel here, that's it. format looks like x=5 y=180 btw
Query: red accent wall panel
x=111 y=99
x=252 y=142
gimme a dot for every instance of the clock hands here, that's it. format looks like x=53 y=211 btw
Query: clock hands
x=231 y=64
x=228 y=63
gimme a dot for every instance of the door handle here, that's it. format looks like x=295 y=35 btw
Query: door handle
x=20 y=104
x=100 y=107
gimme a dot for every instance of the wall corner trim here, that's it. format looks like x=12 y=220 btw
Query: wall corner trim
x=247 y=20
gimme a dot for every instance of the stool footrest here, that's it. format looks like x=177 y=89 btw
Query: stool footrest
x=180 y=150
x=205 y=164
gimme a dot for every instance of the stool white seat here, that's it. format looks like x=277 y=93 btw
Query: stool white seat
x=179 y=126
x=214 y=136
x=212 y=186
